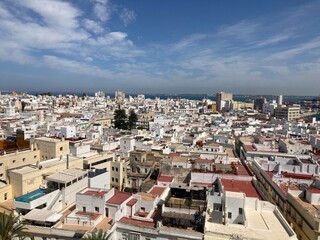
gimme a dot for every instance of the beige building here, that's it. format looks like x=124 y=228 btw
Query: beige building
x=31 y=177
x=105 y=122
x=241 y=105
x=221 y=99
x=117 y=168
x=16 y=160
x=118 y=174
x=303 y=213
x=287 y=113
x=51 y=148
x=5 y=192
x=144 y=119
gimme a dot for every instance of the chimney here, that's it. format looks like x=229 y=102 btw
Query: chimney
x=67 y=161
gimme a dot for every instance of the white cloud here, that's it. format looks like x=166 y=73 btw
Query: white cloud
x=127 y=16
x=304 y=48
x=188 y=41
x=243 y=30
x=102 y=10
x=75 y=66
x=92 y=26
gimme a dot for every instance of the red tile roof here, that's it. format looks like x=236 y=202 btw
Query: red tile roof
x=285 y=187
x=296 y=175
x=163 y=178
x=199 y=160
x=313 y=190
x=240 y=186
x=157 y=190
x=137 y=222
x=95 y=193
x=132 y=202
x=174 y=154
x=119 y=197
x=202 y=183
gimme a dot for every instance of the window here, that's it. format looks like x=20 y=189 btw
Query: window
x=61 y=148
x=112 y=168
x=143 y=209
x=35 y=157
x=240 y=211
x=5 y=196
x=84 y=209
x=112 y=179
x=96 y=209
x=23 y=159
x=116 y=169
x=229 y=215
x=1 y=175
x=1 y=164
x=134 y=236
x=131 y=236
x=116 y=179
x=13 y=161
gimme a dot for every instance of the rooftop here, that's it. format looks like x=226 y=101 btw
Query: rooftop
x=137 y=222
x=165 y=178
x=94 y=192
x=119 y=197
x=157 y=190
x=66 y=176
x=240 y=186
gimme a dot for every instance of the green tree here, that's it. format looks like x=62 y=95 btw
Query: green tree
x=133 y=118
x=11 y=227
x=120 y=119
x=97 y=235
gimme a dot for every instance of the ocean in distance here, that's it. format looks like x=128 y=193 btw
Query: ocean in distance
x=236 y=97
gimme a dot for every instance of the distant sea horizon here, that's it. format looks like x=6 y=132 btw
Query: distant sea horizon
x=190 y=96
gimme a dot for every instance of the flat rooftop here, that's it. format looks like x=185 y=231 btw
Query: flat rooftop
x=261 y=225
x=245 y=187
x=66 y=176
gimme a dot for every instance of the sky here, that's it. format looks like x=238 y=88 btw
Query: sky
x=161 y=46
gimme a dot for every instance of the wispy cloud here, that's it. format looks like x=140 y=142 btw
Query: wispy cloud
x=244 y=30
x=127 y=16
x=188 y=41
x=102 y=10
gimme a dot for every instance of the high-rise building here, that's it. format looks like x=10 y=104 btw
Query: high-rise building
x=258 y=103
x=223 y=101
x=288 y=113
x=279 y=100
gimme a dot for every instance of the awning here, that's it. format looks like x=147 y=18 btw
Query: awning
x=42 y=215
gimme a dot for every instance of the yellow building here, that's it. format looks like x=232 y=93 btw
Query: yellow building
x=31 y=177
x=5 y=192
x=16 y=160
x=118 y=174
x=241 y=105
x=117 y=168
x=51 y=148
x=303 y=215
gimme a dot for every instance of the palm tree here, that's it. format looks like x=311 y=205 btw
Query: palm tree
x=97 y=235
x=11 y=227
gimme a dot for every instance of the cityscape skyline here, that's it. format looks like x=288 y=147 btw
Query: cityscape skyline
x=160 y=47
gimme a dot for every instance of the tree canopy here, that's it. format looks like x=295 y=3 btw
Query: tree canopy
x=120 y=119
x=97 y=235
x=132 y=120
x=11 y=228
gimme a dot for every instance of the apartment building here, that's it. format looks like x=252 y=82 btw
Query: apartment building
x=288 y=113
x=51 y=148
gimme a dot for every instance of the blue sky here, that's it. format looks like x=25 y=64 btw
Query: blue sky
x=167 y=46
